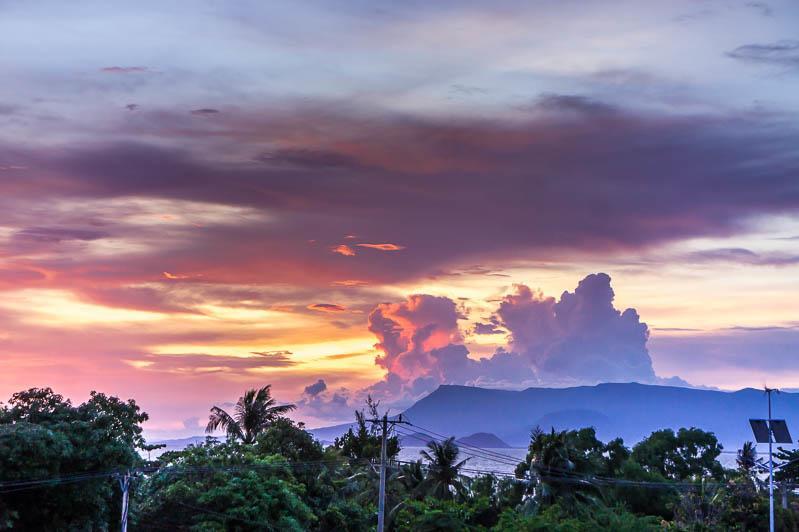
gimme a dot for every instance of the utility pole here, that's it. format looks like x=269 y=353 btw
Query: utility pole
x=770 y=466
x=124 y=484
x=771 y=431
x=381 y=502
x=784 y=489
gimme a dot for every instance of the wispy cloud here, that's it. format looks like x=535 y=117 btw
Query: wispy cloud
x=382 y=247
x=125 y=69
x=782 y=53
x=327 y=307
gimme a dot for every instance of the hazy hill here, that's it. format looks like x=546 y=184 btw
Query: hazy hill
x=180 y=443
x=486 y=440
x=414 y=440
x=629 y=410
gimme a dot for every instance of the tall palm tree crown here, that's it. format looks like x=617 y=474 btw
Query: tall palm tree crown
x=254 y=412
x=443 y=470
x=747 y=457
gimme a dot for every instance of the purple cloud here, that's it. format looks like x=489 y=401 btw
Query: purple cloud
x=781 y=53
x=205 y=111
x=582 y=337
x=486 y=328
x=571 y=176
x=316 y=388
x=125 y=69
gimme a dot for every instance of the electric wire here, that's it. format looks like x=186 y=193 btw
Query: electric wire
x=550 y=473
x=468 y=446
x=471 y=451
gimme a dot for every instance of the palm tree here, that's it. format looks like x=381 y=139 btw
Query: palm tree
x=254 y=412
x=550 y=458
x=747 y=457
x=443 y=469
x=411 y=478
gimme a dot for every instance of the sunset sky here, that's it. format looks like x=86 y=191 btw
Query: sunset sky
x=344 y=198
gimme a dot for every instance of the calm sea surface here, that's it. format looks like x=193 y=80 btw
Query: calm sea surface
x=409 y=454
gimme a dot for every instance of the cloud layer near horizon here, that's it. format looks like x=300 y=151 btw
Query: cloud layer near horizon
x=223 y=202
x=579 y=339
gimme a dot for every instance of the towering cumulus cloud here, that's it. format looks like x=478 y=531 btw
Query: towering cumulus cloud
x=423 y=347
x=410 y=332
x=581 y=338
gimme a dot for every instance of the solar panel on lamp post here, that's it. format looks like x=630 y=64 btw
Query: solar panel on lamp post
x=770 y=431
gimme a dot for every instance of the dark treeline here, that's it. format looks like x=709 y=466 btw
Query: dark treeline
x=60 y=466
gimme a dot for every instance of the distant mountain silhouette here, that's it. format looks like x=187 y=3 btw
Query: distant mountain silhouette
x=628 y=410
x=486 y=440
x=416 y=439
x=180 y=443
x=479 y=439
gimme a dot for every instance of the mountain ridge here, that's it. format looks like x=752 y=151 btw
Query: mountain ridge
x=628 y=410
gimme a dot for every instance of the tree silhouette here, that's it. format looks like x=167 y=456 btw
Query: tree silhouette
x=443 y=469
x=254 y=412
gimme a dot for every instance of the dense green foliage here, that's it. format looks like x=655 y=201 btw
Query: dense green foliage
x=43 y=436
x=363 y=443
x=227 y=486
x=271 y=474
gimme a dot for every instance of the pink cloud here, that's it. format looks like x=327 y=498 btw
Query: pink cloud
x=382 y=247
x=409 y=331
x=345 y=250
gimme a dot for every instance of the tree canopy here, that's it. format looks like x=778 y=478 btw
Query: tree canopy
x=60 y=461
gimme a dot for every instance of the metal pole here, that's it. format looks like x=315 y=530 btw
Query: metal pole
x=381 y=503
x=124 y=483
x=770 y=469
x=784 y=488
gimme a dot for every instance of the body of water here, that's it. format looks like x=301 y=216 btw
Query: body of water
x=498 y=464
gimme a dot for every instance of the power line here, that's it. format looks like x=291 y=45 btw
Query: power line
x=13 y=487
x=568 y=476
x=476 y=455
x=469 y=446
x=471 y=451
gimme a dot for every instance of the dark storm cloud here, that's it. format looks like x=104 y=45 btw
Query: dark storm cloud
x=124 y=70
x=486 y=328
x=204 y=111
x=783 y=53
x=308 y=158
x=57 y=235
x=7 y=110
x=571 y=102
x=316 y=388
x=742 y=256
x=326 y=307
x=762 y=7
x=575 y=174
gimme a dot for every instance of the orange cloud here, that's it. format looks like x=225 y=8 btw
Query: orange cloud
x=349 y=282
x=173 y=276
x=344 y=250
x=326 y=307
x=382 y=247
